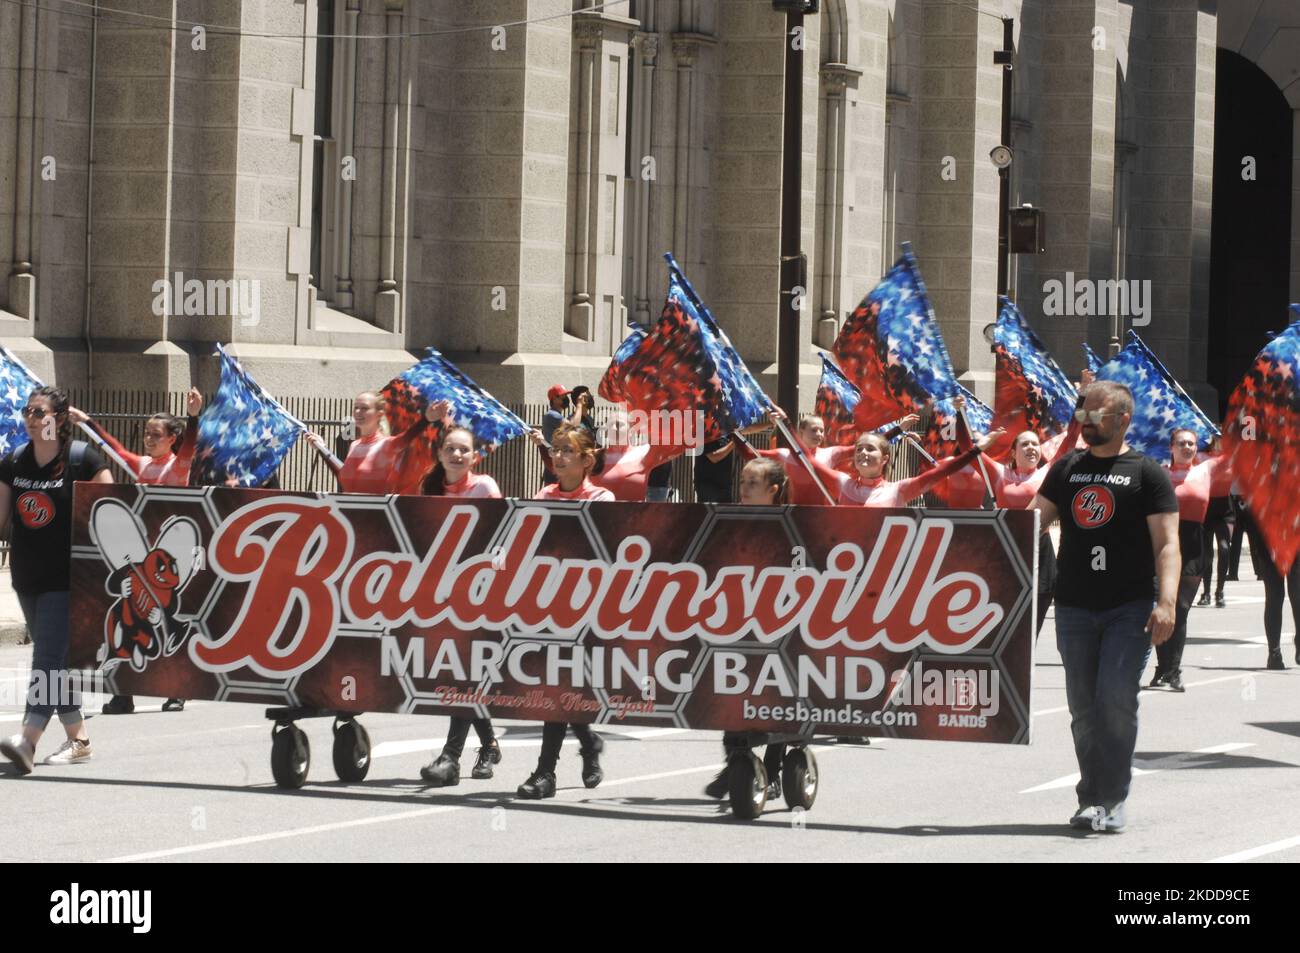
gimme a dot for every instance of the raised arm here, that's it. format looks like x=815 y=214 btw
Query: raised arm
x=132 y=459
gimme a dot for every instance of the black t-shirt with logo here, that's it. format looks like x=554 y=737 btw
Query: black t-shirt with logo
x=1106 y=557
x=40 y=511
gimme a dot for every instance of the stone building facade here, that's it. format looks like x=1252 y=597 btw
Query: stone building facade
x=500 y=178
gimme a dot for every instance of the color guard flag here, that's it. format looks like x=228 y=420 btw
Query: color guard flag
x=16 y=385
x=244 y=433
x=610 y=386
x=891 y=348
x=940 y=438
x=687 y=363
x=435 y=378
x=1033 y=392
x=1094 y=362
x=837 y=399
x=1262 y=441
x=1160 y=403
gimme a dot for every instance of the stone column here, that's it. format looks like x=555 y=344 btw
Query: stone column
x=343 y=209
x=22 y=281
x=836 y=79
x=686 y=49
x=388 y=301
x=1175 y=183
x=581 y=317
x=647 y=45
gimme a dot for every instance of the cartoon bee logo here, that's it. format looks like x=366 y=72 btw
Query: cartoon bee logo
x=141 y=625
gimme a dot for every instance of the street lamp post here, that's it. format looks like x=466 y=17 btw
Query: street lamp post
x=793 y=263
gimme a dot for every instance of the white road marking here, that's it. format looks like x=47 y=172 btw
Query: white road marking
x=1149 y=696
x=1243 y=855
x=1182 y=759
x=388 y=749
x=404 y=815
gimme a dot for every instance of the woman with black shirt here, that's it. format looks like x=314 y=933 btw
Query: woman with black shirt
x=36 y=484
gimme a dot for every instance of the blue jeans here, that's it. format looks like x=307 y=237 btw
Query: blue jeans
x=50 y=690
x=1104 y=653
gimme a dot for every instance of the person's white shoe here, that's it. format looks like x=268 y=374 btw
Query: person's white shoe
x=72 y=751
x=20 y=751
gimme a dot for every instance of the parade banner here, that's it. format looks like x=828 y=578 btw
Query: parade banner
x=800 y=620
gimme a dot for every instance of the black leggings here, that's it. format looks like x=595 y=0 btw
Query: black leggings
x=1169 y=654
x=459 y=731
x=553 y=740
x=1046 y=580
x=1217 y=541
x=1275 y=587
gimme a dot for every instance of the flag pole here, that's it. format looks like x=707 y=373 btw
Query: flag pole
x=797 y=448
x=920 y=448
x=979 y=460
x=103 y=445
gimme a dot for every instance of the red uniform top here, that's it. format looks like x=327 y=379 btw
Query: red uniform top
x=171 y=469
x=373 y=461
x=627 y=469
x=586 y=491
x=1013 y=490
x=802 y=489
x=473 y=486
x=881 y=492
x=1192 y=488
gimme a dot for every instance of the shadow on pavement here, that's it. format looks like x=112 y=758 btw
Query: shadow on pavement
x=489 y=800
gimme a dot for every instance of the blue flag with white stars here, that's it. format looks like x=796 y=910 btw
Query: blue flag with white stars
x=244 y=433
x=891 y=348
x=16 y=385
x=1160 y=405
x=1094 y=362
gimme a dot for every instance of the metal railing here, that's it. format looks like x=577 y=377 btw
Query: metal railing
x=517 y=467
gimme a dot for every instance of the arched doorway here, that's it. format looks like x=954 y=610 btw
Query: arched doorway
x=1250 y=244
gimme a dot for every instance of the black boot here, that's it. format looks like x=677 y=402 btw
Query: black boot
x=1205 y=598
x=1175 y=681
x=540 y=784
x=442 y=773
x=488 y=755
x=1275 y=663
x=592 y=774
x=119 y=705
x=1158 y=679
x=719 y=786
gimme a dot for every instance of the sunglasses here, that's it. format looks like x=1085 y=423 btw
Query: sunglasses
x=1093 y=416
x=36 y=413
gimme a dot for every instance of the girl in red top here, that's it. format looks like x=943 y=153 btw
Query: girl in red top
x=374 y=456
x=811 y=434
x=168 y=444
x=573 y=459
x=872 y=456
x=1191 y=482
x=573 y=456
x=168 y=452
x=763 y=482
x=625 y=470
x=453 y=475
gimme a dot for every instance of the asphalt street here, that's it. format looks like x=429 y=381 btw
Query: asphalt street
x=1216 y=782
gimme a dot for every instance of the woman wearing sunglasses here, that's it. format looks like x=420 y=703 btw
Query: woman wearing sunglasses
x=168 y=452
x=573 y=456
x=36 y=487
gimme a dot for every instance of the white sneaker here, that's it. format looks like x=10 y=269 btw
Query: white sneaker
x=72 y=751
x=20 y=751
x=1089 y=818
